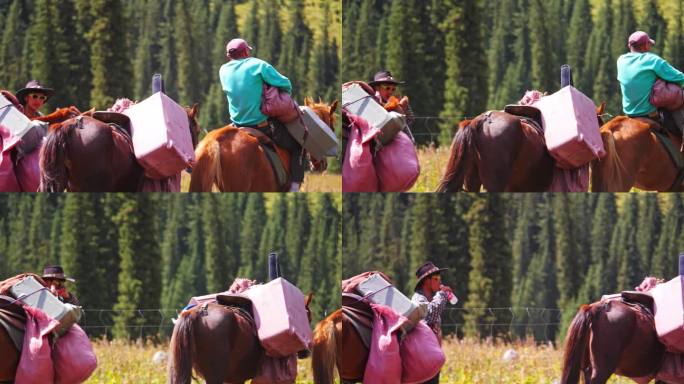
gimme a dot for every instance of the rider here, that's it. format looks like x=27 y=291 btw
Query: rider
x=429 y=290
x=385 y=85
x=242 y=79
x=637 y=72
x=53 y=275
x=33 y=96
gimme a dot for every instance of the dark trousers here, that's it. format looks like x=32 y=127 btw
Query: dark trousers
x=434 y=380
x=281 y=136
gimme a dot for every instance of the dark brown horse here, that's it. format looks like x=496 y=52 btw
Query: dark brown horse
x=607 y=338
x=635 y=157
x=86 y=155
x=10 y=357
x=233 y=161
x=219 y=342
x=498 y=152
x=337 y=345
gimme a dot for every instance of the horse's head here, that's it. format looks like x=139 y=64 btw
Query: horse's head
x=193 y=113
x=325 y=111
x=599 y=112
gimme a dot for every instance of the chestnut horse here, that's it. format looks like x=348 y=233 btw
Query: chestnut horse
x=219 y=342
x=337 y=344
x=497 y=151
x=607 y=338
x=233 y=161
x=635 y=157
x=86 y=155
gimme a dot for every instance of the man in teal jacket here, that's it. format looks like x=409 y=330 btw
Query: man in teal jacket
x=638 y=71
x=242 y=79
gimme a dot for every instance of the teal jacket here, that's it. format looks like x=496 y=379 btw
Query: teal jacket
x=637 y=72
x=242 y=81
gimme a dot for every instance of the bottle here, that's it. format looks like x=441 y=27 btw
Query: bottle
x=450 y=296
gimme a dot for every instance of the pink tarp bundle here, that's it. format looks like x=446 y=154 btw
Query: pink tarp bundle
x=669 y=313
x=71 y=360
x=278 y=104
x=8 y=178
x=416 y=359
x=358 y=170
x=395 y=167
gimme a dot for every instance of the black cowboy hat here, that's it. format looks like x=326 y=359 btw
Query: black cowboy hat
x=426 y=270
x=34 y=86
x=56 y=272
x=384 y=77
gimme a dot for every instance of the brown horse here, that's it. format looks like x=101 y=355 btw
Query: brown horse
x=608 y=338
x=635 y=157
x=233 y=161
x=337 y=344
x=497 y=151
x=10 y=357
x=86 y=155
x=219 y=342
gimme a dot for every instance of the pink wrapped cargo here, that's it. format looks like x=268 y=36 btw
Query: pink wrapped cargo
x=161 y=136
x=280 y=316
x=571 y=127
x=669 y=313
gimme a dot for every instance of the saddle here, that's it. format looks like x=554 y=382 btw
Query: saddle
x=13 y=319
x=118 y=119
x=526 y=111
x=269 y=148
x=359 y=313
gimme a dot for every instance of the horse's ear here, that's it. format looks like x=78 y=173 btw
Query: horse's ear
x=194 y=110
x=601 y=108
x=308 y=101
x=307 y=301
x=333 y=107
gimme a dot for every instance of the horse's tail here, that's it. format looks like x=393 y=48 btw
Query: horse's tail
x=461 y=158
x=207 y=171
x=323 y=358
x=608 y=175
x=182 y=347
x=576 y=345
x=53 y=171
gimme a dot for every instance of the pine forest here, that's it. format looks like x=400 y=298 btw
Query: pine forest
x=512 y=252
x=139 y=257
x=93 y=52
x=461 y=58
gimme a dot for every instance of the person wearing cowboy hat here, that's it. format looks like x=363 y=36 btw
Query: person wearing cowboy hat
x=32 y=97
x=430 y=291
x=242 y=79
x=385 y=85
x=54 y=277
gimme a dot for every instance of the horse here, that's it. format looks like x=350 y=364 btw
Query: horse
x=83 y=154
x=337 y=345
x=10 y=357
x=608 y=338
x=635 y=157
x=219 y=342
x=497 y=151
x=233 y=160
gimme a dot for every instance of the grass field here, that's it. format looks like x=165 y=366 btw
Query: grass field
x=123 y=363
x=467 y=362
x=432 y=162
x=313 y=182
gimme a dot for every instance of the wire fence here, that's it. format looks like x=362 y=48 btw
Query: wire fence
x=540 y=323
x=521 y=322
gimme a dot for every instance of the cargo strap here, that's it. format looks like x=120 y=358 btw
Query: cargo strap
x=675 y=155
x=271 y=154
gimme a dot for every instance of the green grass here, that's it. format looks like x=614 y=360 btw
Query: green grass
x=313 y=182
x=123 y=362
x=432 y=162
